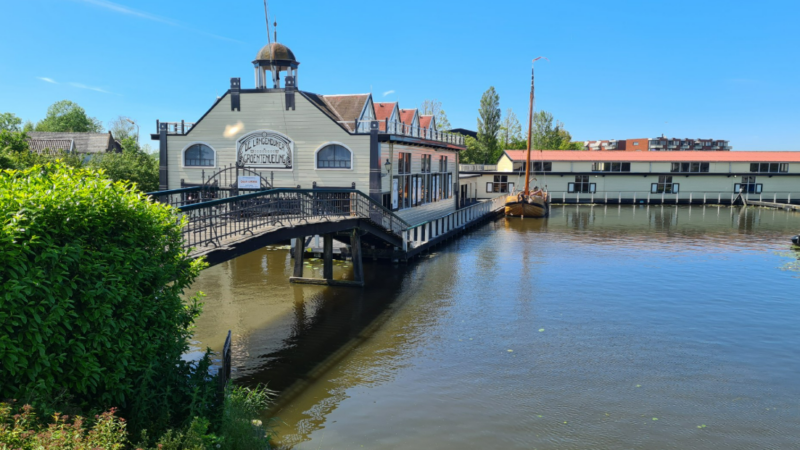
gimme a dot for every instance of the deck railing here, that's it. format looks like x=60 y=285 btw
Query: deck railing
x=646 y=197
x=213 y=221
x=477 y=167
x=181 y=127
x=422 y=233
x=399 y=128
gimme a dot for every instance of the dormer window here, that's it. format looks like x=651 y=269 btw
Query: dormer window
x=199 y=155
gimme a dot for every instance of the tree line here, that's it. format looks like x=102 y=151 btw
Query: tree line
x=498 y=133
x=135 y=163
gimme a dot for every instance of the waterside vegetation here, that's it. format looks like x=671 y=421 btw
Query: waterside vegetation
x=95 y=324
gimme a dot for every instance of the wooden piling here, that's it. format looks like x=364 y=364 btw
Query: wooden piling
x=355 y=250
x=327 y=257
x=299 y=244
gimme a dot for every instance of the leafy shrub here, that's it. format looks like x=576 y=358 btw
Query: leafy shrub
x=91 y=309
x=132 y=164
x=23 y=431
x=238 y=429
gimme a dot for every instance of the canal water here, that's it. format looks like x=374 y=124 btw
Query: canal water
x=628 y=327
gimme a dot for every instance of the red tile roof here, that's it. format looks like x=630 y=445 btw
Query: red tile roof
x=407 y=115
x=383 y=111
x=425 y=121
x=678 y=156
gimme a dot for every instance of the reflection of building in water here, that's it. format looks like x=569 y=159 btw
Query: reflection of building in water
x=663 y=219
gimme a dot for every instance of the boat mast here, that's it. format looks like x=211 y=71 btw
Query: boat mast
x=530 y=124
x=530 y=132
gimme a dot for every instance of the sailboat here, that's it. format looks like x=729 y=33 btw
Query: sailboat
x=528 y=203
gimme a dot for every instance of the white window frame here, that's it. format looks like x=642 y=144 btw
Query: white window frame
x=183 y=156
x=352 y=160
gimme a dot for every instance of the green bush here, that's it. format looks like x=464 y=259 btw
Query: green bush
x=238 y=429
x=24 y=431
x=91 y=309
x=132 y=164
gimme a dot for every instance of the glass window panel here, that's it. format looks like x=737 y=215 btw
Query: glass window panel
x=773 y=167
x=685 y=167
x=704 y=167
x=695 y=167
x=676 y=167
x=784 y=167
x=615 y=167
x=626 y=167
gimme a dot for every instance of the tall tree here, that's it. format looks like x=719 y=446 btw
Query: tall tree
x=510 y=131
x=434 y=108
x=68 y=116
x=9 y=122
x=121 y=128
x=489 y=126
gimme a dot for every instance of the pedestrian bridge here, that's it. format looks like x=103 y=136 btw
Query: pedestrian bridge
x=223 y=224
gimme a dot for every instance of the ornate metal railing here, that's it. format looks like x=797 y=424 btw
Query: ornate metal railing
x=212 y=223
x=183 y=196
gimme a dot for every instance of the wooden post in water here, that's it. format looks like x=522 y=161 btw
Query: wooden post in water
x=355 y=250
x=327 y=257
x=299 y=243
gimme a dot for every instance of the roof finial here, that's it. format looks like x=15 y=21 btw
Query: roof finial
x=275 y=24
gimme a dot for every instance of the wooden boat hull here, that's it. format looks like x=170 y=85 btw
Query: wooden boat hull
x=536 y=208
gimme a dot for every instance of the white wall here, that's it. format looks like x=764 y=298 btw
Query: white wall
x=308 y=127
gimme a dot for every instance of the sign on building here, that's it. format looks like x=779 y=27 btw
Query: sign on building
x=265 y=149
x=249 y=182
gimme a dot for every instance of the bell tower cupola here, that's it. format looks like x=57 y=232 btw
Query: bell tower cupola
x=270 y=61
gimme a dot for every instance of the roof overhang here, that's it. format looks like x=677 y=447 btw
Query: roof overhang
x=419 y=142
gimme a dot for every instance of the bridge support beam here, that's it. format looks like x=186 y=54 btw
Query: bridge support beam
x=327 y=257
x=299 y=246
x=355 y=251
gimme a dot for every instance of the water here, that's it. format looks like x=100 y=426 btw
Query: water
x=601 y=327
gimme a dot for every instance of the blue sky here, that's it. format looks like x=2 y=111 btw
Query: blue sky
x=618 y=69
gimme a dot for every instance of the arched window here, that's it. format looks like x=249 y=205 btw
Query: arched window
x=334 y=156
x=199 y=155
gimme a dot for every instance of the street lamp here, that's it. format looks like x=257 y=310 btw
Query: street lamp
x=137 y=128
x=388 y=166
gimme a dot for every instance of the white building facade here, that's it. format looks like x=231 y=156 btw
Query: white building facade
x=276 y=135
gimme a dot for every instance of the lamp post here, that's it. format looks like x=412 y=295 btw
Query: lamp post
x=137 y=128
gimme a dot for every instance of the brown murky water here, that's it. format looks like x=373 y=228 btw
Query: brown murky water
x=601 y=327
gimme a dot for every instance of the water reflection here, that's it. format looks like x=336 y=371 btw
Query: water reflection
x=645 y=311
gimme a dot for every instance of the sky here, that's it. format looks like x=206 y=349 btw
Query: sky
x=617 y=69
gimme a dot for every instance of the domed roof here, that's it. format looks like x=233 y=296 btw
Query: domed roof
x=275 y=51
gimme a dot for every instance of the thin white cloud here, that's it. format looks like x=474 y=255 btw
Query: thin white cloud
x=143 y=15
x=96 y=89
x=76 y=85
x=388 y=92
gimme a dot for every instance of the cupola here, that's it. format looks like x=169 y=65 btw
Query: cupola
x=275 y=58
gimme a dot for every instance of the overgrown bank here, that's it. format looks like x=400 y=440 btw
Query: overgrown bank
x=93 y=319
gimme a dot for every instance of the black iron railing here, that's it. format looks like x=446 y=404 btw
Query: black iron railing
x=183 y=196
x=212 y=223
